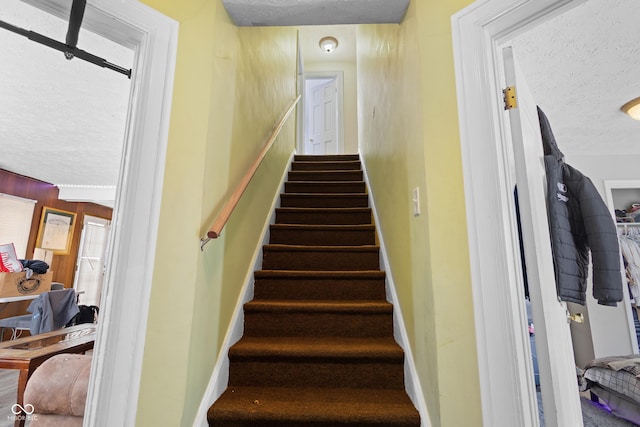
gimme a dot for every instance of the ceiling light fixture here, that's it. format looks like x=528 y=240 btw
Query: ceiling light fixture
x=328 y=44
x=632 y=108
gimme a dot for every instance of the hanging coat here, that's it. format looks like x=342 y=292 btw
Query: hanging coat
x=579 y=222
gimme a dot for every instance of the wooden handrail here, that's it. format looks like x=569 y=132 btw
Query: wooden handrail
x=229 y=206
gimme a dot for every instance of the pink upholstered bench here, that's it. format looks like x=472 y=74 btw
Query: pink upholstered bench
x=58 y=391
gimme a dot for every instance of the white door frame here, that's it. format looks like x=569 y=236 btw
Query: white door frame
x=117 y=362
x=479 y=31
x=339 y=76
x=300 y=91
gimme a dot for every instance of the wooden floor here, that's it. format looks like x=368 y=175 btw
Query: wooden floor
x=8 y=391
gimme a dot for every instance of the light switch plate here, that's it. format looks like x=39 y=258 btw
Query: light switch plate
x=416 y=201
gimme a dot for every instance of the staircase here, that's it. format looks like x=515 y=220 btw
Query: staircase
x=318 y=347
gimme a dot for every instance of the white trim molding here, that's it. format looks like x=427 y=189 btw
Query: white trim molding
x=117 y=361
x=220 y=377
x=478 y=33
x=117 y=365
x=412 y=381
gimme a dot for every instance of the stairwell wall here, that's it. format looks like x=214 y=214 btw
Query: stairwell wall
x=231 y=86
x=408 y=133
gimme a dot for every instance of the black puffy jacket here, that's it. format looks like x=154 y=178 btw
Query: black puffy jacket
x=579 y=221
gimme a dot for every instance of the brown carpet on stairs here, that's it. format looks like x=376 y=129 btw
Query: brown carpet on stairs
x=318 y=346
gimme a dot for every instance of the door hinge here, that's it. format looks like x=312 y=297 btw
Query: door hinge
x=577 y=317
x=510 y=98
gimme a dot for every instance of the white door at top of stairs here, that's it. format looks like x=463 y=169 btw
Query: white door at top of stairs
x=322 y=129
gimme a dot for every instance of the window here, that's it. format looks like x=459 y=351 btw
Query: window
x=16 y=215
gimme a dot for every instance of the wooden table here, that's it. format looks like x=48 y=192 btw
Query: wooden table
x=4 y=301
x=26 y=354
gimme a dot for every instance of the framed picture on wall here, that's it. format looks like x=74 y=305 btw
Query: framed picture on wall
x=56 y=230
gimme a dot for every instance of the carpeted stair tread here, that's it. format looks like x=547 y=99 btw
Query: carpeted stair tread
x=326 y=175
x=319 y=306
x=324 y=200
x=325 y=157
x=323 y=234
x=322 y=318
x=319 y=362
x=319 y=285
x=320 y=248
x=323 y=215
x=325 y=227
x=325 y=187
x=306 y=274
x=326 y=165
x=317 y=347
x=313 y=407
x=300 y=257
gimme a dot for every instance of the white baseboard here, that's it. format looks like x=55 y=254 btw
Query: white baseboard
x=220 y=375
x=412 y=383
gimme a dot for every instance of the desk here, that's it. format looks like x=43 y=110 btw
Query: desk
x=5 y=300
x=26 y=354
x=20 y=298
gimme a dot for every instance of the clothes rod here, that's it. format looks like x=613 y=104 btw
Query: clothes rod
x=67 y=50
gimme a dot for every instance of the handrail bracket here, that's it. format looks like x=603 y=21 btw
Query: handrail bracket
x=204 y=241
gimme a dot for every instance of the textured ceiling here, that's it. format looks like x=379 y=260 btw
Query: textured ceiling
x=582 y=66
x=63 y=121
x=315 y=12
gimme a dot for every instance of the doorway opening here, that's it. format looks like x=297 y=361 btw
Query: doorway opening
x=91 y=261
x=117 y=359
x=480 y=31
x=323 y=113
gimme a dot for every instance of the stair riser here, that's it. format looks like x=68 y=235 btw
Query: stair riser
x=324 y=187
x=319 y=217
x=322 y=201
x=323 y=166
x=315 y=261
x=329 y=373
x=255 y=420
x=319 y=289
x=326 y=158
x=318 y=324
x=323 y=237
x=318 y=347
x=325 y=176
x=321 y=407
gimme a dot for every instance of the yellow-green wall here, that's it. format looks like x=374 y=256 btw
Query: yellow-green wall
x=231 y=86
x=409 y=138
